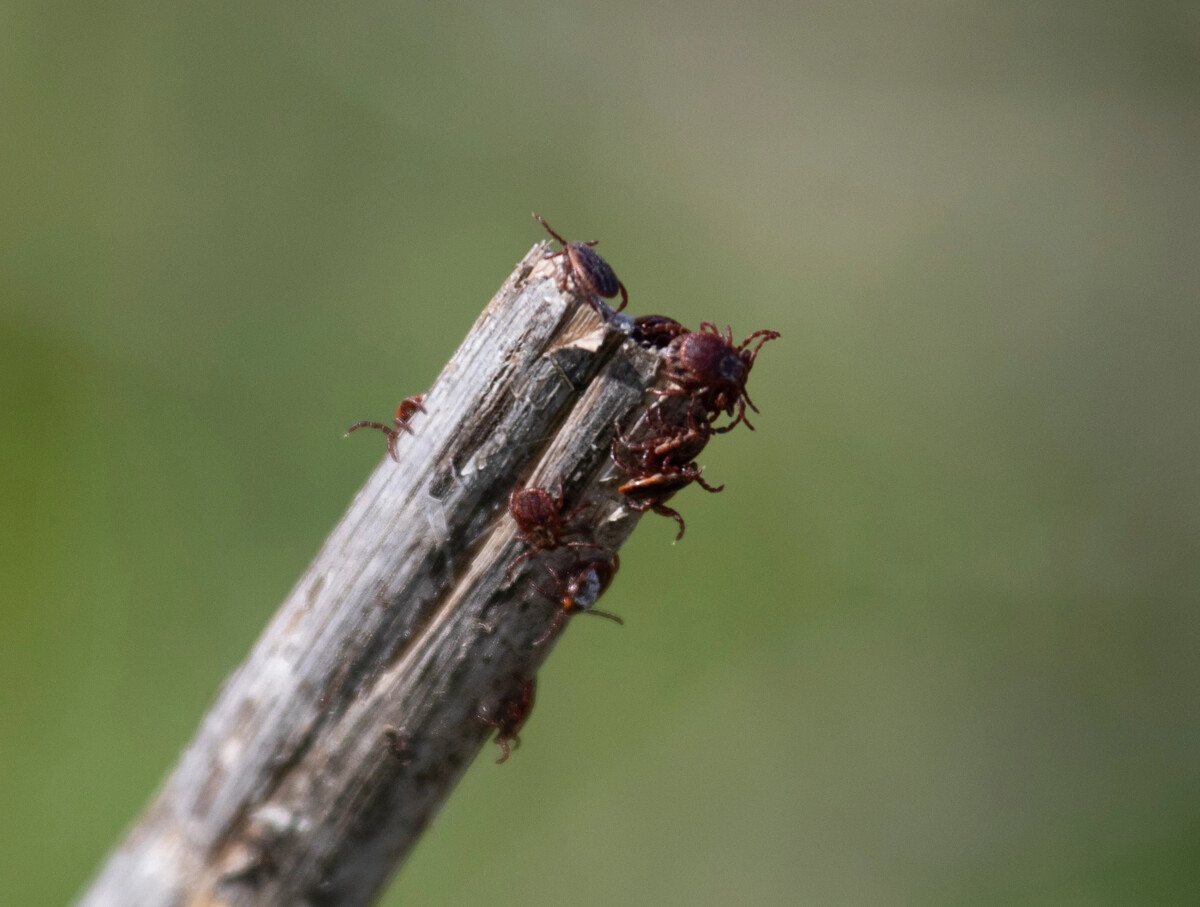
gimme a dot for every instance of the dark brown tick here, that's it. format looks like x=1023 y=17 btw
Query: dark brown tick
x=510 y=713
x=408 y=408
x=656 y=330
x=593 y=275
x=577 y=593
x=705 y=365
x=540 y=518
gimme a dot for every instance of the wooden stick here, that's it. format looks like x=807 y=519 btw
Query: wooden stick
x=328 y=751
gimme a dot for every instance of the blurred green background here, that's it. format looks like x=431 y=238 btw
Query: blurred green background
x=937 y=644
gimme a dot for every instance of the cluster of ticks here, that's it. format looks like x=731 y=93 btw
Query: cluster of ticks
x=706 y=370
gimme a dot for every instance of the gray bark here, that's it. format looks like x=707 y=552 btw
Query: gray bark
x=332 y=746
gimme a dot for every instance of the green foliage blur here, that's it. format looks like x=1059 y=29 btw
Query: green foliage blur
x=937 y=643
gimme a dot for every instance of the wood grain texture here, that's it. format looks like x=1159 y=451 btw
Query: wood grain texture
x=332 y=746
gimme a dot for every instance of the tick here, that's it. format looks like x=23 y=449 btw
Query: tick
x=592 y=275
x=408 y=408
x=580 y=589
x=540 y=519
x=707 y=366
x=669 y=445
x=654 y=481
x=510 y=712
x=656 y=331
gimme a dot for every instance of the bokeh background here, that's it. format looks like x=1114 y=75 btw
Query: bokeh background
x=937 y=644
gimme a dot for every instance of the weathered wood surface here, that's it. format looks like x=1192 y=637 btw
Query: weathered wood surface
x=332 y=746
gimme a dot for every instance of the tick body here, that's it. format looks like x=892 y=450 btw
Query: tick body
x=592 y=275
x=408 y=408
x=705 y=365
x=510 y=713
x=651 y=492
x=579 y=588
x=540 y=519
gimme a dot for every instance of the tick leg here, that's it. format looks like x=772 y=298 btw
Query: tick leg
x=632 y=445
x=390 y=432
x=691 y=420
x=555 y=597
x=766 y=335
x=607 y=615
x=386 y=429
x=703 y=484
x=559 y=619
x=520 y=558
x=636 y=469
x=541 y=220
x=617 y=460
x=664 y=510
x=742 y=411
x=745 y=398
x=624 y=296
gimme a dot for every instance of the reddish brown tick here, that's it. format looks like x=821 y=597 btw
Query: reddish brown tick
x=586 y=580
x=539 y=516
x=707 y=366
x=668 y=446
x=404 y=412
x=593 y=275
x=651 y=490
x=662 y=464
x=510 y=713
